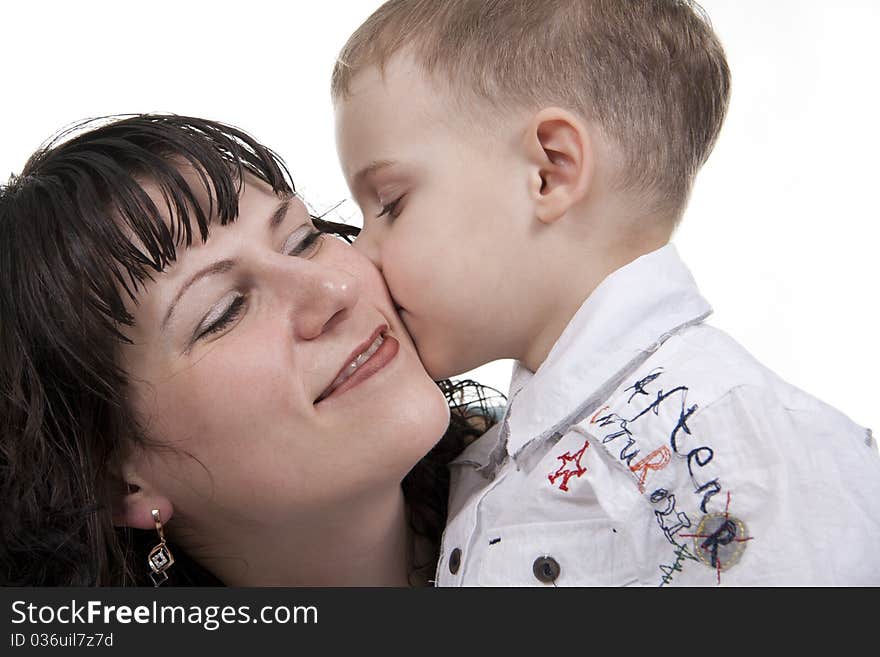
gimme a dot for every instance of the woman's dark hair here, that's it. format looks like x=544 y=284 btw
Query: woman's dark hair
x=79 y=236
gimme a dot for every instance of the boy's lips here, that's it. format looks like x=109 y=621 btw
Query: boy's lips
x=365 y=360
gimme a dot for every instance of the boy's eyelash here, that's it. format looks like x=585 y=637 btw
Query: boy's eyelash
x=390 y=209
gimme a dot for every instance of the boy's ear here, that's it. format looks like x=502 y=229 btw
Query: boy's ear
x=558 y=147
x=134 y=500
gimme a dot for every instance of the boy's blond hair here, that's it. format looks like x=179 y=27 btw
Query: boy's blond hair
x=651 y=73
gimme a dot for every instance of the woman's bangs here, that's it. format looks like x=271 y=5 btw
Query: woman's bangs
x=194 y=171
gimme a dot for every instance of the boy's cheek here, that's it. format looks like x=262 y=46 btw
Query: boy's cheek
x=429 y=283
x=408 y=273
x=423 y=341
x=429 y=330
x=442 y=331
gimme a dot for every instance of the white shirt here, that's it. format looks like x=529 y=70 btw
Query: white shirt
x=651 y=449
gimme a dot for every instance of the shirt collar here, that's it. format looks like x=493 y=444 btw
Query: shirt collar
x=626 y=318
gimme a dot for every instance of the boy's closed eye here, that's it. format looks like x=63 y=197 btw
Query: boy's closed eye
x=392 y=209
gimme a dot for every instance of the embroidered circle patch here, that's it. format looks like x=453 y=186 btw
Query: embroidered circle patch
x=720 y=540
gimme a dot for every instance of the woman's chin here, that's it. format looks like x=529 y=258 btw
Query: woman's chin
x=426 y=418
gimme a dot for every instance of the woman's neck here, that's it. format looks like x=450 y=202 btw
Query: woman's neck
x=368 y=543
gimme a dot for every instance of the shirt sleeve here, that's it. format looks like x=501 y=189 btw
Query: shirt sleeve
x=798 y=494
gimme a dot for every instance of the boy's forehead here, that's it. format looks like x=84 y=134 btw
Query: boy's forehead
x=385 y=109
x=393 y=76
x=399 y=90
x=396 y=108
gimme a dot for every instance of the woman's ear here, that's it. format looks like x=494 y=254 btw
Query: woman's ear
x=135 y=500
x=560 y=152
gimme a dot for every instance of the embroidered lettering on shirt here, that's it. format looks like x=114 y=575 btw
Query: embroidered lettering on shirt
x=598 y=413
x=682 y=554
x=669 y=519
x=720 y=540
x=656 y=460
x=571 y=467
x=680 y=437
x=638 y=387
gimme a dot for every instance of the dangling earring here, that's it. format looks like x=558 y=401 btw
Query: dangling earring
x=160 y=558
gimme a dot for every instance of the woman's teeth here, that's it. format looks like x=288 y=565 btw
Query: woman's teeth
x=352 y=367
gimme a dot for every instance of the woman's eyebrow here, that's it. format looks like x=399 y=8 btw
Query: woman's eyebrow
x=223 y=266
x=280 y=212
x=219 y=267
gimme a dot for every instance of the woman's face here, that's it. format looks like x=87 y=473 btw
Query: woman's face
x=239 y=351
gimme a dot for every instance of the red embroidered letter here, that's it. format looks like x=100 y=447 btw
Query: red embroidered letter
x=656 y=460
x=596 y=414
x=566 y=472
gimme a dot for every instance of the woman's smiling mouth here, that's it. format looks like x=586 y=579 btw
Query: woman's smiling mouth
x=367 y=359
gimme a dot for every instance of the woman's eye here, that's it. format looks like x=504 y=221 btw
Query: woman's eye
x=391 y=210
x=303 y=242
x=219 y=319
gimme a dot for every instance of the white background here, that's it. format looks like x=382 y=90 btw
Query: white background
x=782 y=230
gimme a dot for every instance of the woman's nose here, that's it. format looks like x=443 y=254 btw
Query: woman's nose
x=326 y=296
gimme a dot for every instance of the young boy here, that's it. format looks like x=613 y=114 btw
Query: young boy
x=521 y=165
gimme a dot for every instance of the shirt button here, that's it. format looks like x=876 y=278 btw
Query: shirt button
x=546 y=569
x=454 y=560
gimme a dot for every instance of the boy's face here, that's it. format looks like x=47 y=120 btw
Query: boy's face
x=446 y=215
